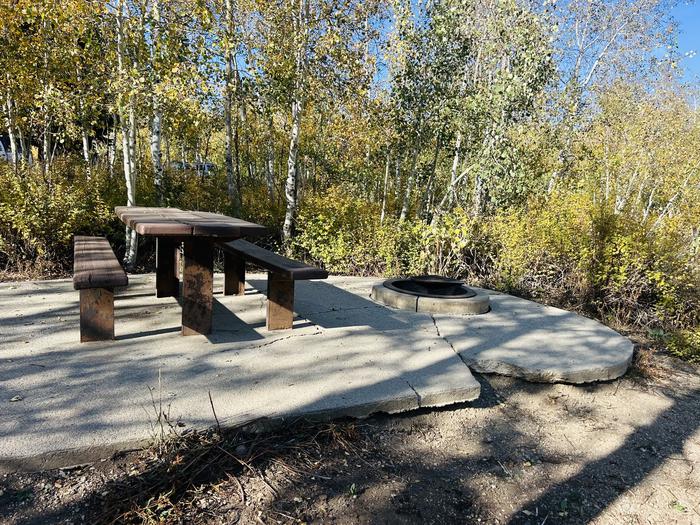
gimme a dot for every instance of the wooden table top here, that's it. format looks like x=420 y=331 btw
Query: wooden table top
x=183 y=223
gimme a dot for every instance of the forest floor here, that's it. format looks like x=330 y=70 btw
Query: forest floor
x=625 y=451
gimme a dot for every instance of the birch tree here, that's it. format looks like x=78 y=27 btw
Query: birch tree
x=304 y=52
x=598 y=42
x=126 y=110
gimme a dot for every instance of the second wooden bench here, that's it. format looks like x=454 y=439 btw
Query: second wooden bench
x=280 y=280
x=96 y=272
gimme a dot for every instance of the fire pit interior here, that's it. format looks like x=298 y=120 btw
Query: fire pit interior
x=431 y=294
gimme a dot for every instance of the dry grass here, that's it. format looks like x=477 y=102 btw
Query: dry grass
x=645 y=364
x=32 y=271
x=165 y=485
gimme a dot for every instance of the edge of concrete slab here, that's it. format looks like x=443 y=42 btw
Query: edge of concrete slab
x=544 y=375
x=70 y=458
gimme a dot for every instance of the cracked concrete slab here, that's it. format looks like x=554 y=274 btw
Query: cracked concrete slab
x=539 y=343
x=63 y=403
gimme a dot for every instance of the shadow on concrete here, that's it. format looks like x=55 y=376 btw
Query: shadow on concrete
x=329 y=306
x=126 y=365
x=423 y=490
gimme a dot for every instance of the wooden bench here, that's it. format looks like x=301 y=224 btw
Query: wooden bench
x=280 y=279
x=96 y=272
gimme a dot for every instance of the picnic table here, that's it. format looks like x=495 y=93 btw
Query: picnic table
x=198 y=232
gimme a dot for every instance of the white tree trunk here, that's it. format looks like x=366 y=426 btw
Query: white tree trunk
x=112 y=147
x=387 y=169
x=229 y=59
x=290 y=187
x=46 y=145
x=409 y=185
x=11 y=131
x=156 y=153
x=128 y=131
x=451 y=193
x=84 y=130
x=270 y=167
x=129 y=154
x=157 y=121
x=86 y=151
x=455 y=166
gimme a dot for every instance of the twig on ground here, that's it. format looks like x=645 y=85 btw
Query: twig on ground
x=211 y=402
x=504 y=468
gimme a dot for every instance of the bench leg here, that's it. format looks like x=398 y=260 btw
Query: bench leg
x=96 y=314
x=197 y=286
x=234 y=274
x=280 y=301
x=167 y=281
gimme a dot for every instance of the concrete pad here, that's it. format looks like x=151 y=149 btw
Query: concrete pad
x=62 y=402
x=540 y=343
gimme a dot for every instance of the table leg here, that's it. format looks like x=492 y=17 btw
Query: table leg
x=234 y=274
x=167 y=281
x=197 y=288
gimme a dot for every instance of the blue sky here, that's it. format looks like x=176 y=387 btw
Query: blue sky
x=688 y=17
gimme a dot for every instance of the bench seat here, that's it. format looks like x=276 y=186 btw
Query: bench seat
x=96 y=272
x=280 y=282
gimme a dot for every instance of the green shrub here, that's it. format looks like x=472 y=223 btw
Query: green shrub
x=685 y=344
x=345 y=235
x=566 y=250
x=39 y=215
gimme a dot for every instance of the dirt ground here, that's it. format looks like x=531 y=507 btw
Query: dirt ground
x=627 y=451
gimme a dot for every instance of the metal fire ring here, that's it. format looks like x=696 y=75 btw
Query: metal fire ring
x=429 y=286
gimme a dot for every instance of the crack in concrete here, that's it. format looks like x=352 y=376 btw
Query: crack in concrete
x=318 y=332
x=444 y=338
x=344 y=309
x=418 y=398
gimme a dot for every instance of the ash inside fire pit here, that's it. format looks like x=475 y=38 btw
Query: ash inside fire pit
x=432 y=294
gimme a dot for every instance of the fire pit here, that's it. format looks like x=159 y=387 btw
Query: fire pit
x=431 y=294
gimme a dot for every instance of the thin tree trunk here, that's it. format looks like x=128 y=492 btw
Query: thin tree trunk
x=11 y=132
x=397 y=178
x=112 y=147
x=387 y=169
x=128 y=131
x=290 y=188
x=157 y=121
x=237 y=146
x=86 y=151
x=451 y=192
x=157 y=156
x=427 y=195
x=270 y=166
x=26 y=147
x=84 y=134
x=453 y=171
x=46 y=145
x=478 y=198
x=129 y=152
x=297 y=105
x=232 y=179
x=409 y=184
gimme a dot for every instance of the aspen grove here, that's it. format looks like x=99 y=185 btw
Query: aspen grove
x=549 y=149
